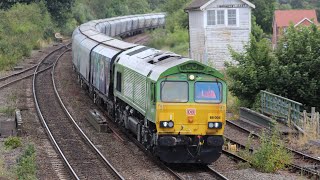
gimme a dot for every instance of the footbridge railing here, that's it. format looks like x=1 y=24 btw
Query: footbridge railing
x=290 y=111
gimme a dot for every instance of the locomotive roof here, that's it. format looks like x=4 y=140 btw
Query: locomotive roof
x=154 y=63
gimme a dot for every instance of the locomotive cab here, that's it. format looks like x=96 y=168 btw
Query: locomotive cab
x=190 y=116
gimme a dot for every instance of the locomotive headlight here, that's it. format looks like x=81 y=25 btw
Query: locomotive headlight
x=214 y=125
x=192 y=77
x=166 y=124
x=170 y=124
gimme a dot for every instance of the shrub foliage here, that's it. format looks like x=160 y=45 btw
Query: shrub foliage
x=12 y=142
x=272 y=155
x=21 y=29
x=27 y=167
x=291 y=71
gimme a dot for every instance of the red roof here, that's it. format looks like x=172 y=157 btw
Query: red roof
x=283 y=18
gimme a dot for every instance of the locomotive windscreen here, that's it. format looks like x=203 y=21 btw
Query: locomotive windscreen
x=209 y=92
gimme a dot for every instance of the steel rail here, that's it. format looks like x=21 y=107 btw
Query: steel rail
x=293 y=166
x=29 y=68
x=137 y=143
x=52 y=139
x=85 y=137
x=234 y=156
x=217 y=174
x=305 y=156
x=20 y=72
x=24 y=77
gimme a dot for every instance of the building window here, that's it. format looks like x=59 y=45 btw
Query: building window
x=232 y=17
x=211 y=17
x=228 y=17
x=220 y=17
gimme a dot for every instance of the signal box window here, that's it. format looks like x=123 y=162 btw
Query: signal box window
x=211 y=17
x=173 y=91
x=208 y=92
x=220 y=17
x=232 y=17
x=119 y=79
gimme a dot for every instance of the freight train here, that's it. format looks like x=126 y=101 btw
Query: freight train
x=174 y=106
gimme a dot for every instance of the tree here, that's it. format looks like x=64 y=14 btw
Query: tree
x=252 y=73
x=264 y=13
x=60 y=10
x=6 y=4
x=296 y=74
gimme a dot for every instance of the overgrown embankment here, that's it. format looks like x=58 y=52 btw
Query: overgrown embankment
x=22 y=28
x=175 y=36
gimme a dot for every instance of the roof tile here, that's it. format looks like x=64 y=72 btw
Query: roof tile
x=196 y=4
x=283 y=18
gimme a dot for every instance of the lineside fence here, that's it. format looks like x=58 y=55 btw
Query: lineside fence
x=291 y=112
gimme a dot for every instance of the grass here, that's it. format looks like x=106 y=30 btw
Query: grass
x=310 y=126
x=12 y=142
x=11 y=102
x=26 y=168
x=7 y=110
x=4 y=172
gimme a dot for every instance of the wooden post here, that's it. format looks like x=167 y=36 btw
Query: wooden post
x=304 y=123
x=313 y=113
x=318 y=124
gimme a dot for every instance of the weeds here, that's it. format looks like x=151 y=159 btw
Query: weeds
x=233 y=106
x=271 y=156
x=12 y=142
x=4 y=173
x=11 y=102
x=8 y=110
x=26 y=168
x=310 y=126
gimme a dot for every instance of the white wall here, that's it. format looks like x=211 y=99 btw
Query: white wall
x=210 y=43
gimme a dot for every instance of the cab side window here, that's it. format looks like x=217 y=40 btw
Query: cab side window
x=119 y=79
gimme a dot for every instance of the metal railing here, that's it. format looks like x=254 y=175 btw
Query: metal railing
x=291 y=112
x=280 y=107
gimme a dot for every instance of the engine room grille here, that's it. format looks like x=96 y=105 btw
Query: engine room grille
x=135 y=87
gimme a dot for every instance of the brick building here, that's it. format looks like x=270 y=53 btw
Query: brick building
x=283 y=18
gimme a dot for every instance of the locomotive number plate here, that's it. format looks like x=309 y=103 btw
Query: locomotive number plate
x=191 y=112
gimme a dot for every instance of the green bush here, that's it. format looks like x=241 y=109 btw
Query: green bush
x=272 y=155
x=27 y=167
x=177 y=41
x=21 y=29
x=12 y=142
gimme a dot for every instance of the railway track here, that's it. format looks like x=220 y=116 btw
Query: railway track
x=307 y=165
x=115 y=130
x=197 y=172
x=207 y=172
x=27 y=73
x=80 y=156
